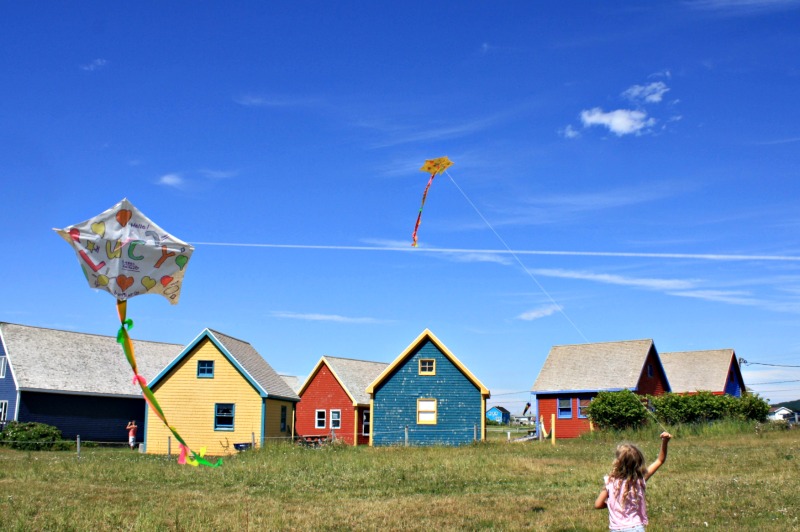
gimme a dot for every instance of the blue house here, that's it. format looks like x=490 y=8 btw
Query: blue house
x=427 y=397
x=80 y=383
x=498 y=414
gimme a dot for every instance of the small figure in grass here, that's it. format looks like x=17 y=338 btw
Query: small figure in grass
x=624 y=489
x=131 y=428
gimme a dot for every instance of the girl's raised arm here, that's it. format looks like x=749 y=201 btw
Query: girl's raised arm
x=662 y=456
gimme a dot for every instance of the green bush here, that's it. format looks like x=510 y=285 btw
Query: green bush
x=617 y=410
x=33 y=437
x=701 y=407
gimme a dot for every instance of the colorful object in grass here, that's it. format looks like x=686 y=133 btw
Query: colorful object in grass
x=125 y=253
x=434 y=167
x=527 y=406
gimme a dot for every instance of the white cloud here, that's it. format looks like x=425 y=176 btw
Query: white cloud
x=620 y=122
x=97 y=64
x=171 y=180
x=218 y=174
x=607 y=278
x=322 y=317
x=650 y=93
x=570 y=132
x=541 y=312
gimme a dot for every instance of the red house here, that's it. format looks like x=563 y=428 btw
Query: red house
x=334 y=402
x=573 y=374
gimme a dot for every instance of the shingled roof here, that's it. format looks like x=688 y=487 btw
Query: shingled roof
x=353 y=375
x=51 y=360
x=604 y=366
x=696 y=371
x=246 y=359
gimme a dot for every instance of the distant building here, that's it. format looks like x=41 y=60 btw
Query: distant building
x=499 y=414
x=781 y=413
x=573 y=374
x=428 y=394
x=716 y=371
x=78 y=382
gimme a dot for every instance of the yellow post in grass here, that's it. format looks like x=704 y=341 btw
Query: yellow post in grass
x=553 y=428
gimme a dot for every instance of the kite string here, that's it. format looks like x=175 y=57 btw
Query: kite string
x=513 y=254
x=124 y=339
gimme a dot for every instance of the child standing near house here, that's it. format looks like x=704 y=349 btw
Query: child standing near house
x=624 y=489
x=131 y=428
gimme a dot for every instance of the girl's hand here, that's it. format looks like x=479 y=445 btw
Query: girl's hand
x=666 y=436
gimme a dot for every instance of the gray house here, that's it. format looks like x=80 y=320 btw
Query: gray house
x=80 y=383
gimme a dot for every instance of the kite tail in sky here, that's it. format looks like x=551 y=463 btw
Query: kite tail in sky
x=434 y=166
x=419 y=216
x=125 y=340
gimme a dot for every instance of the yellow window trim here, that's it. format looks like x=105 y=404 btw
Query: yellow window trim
x=434 y=411
x=426 y=372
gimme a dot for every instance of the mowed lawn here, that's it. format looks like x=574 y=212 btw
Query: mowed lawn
x=739 y=481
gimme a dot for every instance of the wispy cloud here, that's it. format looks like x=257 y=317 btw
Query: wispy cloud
x=607 y=278
x=538 y=313
x=218 y=174
x=322 y=317
x=97 y=64
x=252 y=100
x=171 y=180
x=620 y=122
x=650 y=93
x=742 y=7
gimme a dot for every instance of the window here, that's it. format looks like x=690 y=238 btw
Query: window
x=336 y=419
x=3 y=411
x=2 y=367
x=583 y=407
x=426 y=411
x=650 y=370
x=223 y=416
x=365 y=422
x=427 y=366
x=283 y=418
x=565 y=408
x=320 y=420
x=205 y=369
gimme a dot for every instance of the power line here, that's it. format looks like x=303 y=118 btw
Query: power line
x=743 y=361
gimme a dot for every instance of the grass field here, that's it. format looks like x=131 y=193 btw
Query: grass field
x=728 y=479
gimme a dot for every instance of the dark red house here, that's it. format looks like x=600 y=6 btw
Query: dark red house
x=573 y=374
x=334 y=402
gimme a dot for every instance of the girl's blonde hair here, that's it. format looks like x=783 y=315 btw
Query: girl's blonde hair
x=628 y=469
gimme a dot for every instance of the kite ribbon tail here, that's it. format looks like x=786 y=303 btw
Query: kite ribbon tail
x=419 y=216
x=123 y=338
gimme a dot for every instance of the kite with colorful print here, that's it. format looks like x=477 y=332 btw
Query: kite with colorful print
x=434 y=167
x=124 y=253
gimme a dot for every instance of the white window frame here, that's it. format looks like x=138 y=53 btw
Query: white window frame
x=366 y=422
x=427 y=412
x=336 y=419
x=3 y=411
x=3 y=364
x=317 y=419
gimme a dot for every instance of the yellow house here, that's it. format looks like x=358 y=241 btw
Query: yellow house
x=218 y=393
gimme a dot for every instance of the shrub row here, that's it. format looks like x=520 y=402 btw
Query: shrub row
x=625 y=409
x=33 y=437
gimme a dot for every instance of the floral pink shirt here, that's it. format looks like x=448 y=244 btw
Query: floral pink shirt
x=625 y=516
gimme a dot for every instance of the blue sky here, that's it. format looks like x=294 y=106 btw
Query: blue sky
x=655 y=147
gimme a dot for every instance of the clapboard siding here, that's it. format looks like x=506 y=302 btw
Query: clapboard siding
x=8 y=389
x=272 y=430
x=324 y=392
x=459 y=403
x=570 y=427
x=189 y=403
x=92 y=418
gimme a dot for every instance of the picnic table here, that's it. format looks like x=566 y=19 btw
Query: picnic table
x=313 y=440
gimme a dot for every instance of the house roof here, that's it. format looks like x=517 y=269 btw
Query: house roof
x=246 y=359
x=294 y=382
x=499 y=409
x=353 y=375
x=695 y=371
x=425 y=336
x=50 y=360
x=607 y=366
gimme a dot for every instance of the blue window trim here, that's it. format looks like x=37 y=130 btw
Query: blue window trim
x=564 y=415
x=584 y=415
x=217 y=426
x=205 y=369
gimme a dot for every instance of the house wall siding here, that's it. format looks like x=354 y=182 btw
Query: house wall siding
x=272 y=430
x=655 y=385
x=733 y=386
x=459 y=403
x=565 y=428
x=92 y=418
x=8 y=389
x=189 y=402
x=324 y=392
